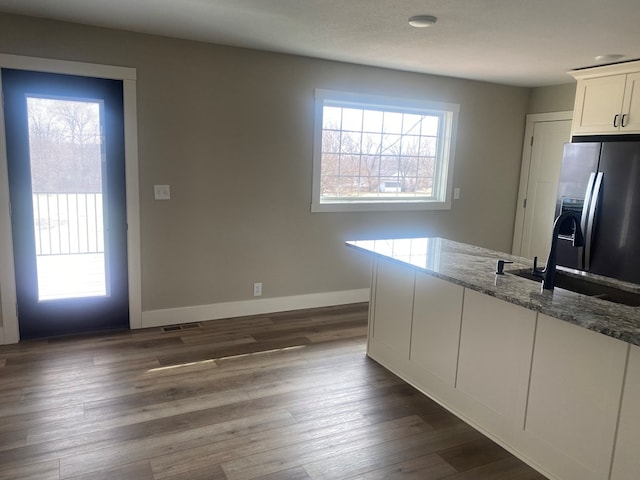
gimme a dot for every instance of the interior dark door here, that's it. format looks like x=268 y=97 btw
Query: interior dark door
x=65 y=150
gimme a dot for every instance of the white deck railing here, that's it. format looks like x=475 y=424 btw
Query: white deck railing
x=68 y=223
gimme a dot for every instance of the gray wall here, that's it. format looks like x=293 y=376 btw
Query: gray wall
x=231 y=131
x=556 y=98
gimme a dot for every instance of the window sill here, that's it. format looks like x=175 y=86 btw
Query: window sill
x=379 y=206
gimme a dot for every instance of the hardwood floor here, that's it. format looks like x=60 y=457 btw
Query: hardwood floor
x=289 y=396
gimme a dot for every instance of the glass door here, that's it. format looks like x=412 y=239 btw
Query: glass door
x=65 y=146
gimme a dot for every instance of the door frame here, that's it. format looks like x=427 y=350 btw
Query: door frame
x=9 y=331
x=525 y=167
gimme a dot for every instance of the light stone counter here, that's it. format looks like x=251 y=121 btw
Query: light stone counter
x=474 y=268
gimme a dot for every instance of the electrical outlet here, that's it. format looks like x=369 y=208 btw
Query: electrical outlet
x=257 y=289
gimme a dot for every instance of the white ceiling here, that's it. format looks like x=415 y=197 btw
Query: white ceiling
x=515 y=42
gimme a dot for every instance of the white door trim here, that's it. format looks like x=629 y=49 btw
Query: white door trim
x=9 y=332
x=531 y=121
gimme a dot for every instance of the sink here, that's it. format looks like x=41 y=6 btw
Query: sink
x=586 y=287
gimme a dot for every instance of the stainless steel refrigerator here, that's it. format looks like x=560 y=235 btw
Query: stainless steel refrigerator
x=601 y=182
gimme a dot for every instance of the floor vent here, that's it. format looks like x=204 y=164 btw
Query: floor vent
x=185 y=326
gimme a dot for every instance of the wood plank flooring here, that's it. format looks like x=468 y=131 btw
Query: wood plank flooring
x=289 y=396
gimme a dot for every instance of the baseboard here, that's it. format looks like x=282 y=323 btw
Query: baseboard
x=200 y=313
x=1 y=336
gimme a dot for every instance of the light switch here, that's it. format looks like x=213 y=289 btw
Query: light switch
x=162 y=192
x=456 y=193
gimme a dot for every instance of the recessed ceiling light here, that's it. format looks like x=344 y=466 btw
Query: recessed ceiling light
x=611 y=57
x=421 y=21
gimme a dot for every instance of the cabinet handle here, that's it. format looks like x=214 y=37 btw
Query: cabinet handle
x=622 y=120
x=615 y=120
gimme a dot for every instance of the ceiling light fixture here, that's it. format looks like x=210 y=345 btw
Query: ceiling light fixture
x=611 y=57
x=422 y=21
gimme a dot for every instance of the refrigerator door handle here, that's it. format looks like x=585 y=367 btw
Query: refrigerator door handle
x=595 y=194
x=585 y=217
x=587 y=201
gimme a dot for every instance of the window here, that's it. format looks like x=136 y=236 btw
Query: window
x=381 y=153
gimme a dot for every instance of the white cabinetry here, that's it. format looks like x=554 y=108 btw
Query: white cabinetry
x=626 y=461
x=390 y=330
x=436 y=329
x=607 y=100
x=494 y=360
x=559 y=396
x=574 y=397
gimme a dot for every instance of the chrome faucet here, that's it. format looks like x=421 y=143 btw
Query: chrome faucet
x=549 y=272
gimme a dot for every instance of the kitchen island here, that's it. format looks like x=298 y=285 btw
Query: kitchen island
x=554 y=377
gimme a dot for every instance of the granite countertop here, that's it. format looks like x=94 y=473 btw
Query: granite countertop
x=474 y=267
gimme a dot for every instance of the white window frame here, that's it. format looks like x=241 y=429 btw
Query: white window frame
x=443 y=181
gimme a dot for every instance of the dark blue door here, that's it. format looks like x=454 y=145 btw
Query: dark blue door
x=65 y=150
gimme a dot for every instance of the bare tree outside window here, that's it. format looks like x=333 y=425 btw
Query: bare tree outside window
x=65 y=146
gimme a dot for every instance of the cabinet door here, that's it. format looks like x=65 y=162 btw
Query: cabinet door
x=496 y=342
x=393 y=308
x=437 y=311
x=574 y=396
x=631 y=107
x=626 y=461
x=598 y=101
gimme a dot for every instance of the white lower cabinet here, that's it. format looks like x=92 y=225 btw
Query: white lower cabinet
x=553 y=393
x=574 y=397
x=437 y=310
x=390 y=332
x=494 y=361
x=626 y=457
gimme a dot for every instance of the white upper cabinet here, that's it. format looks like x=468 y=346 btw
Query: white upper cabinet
x=607 y=100
x=631 y=105
x=598 y=105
